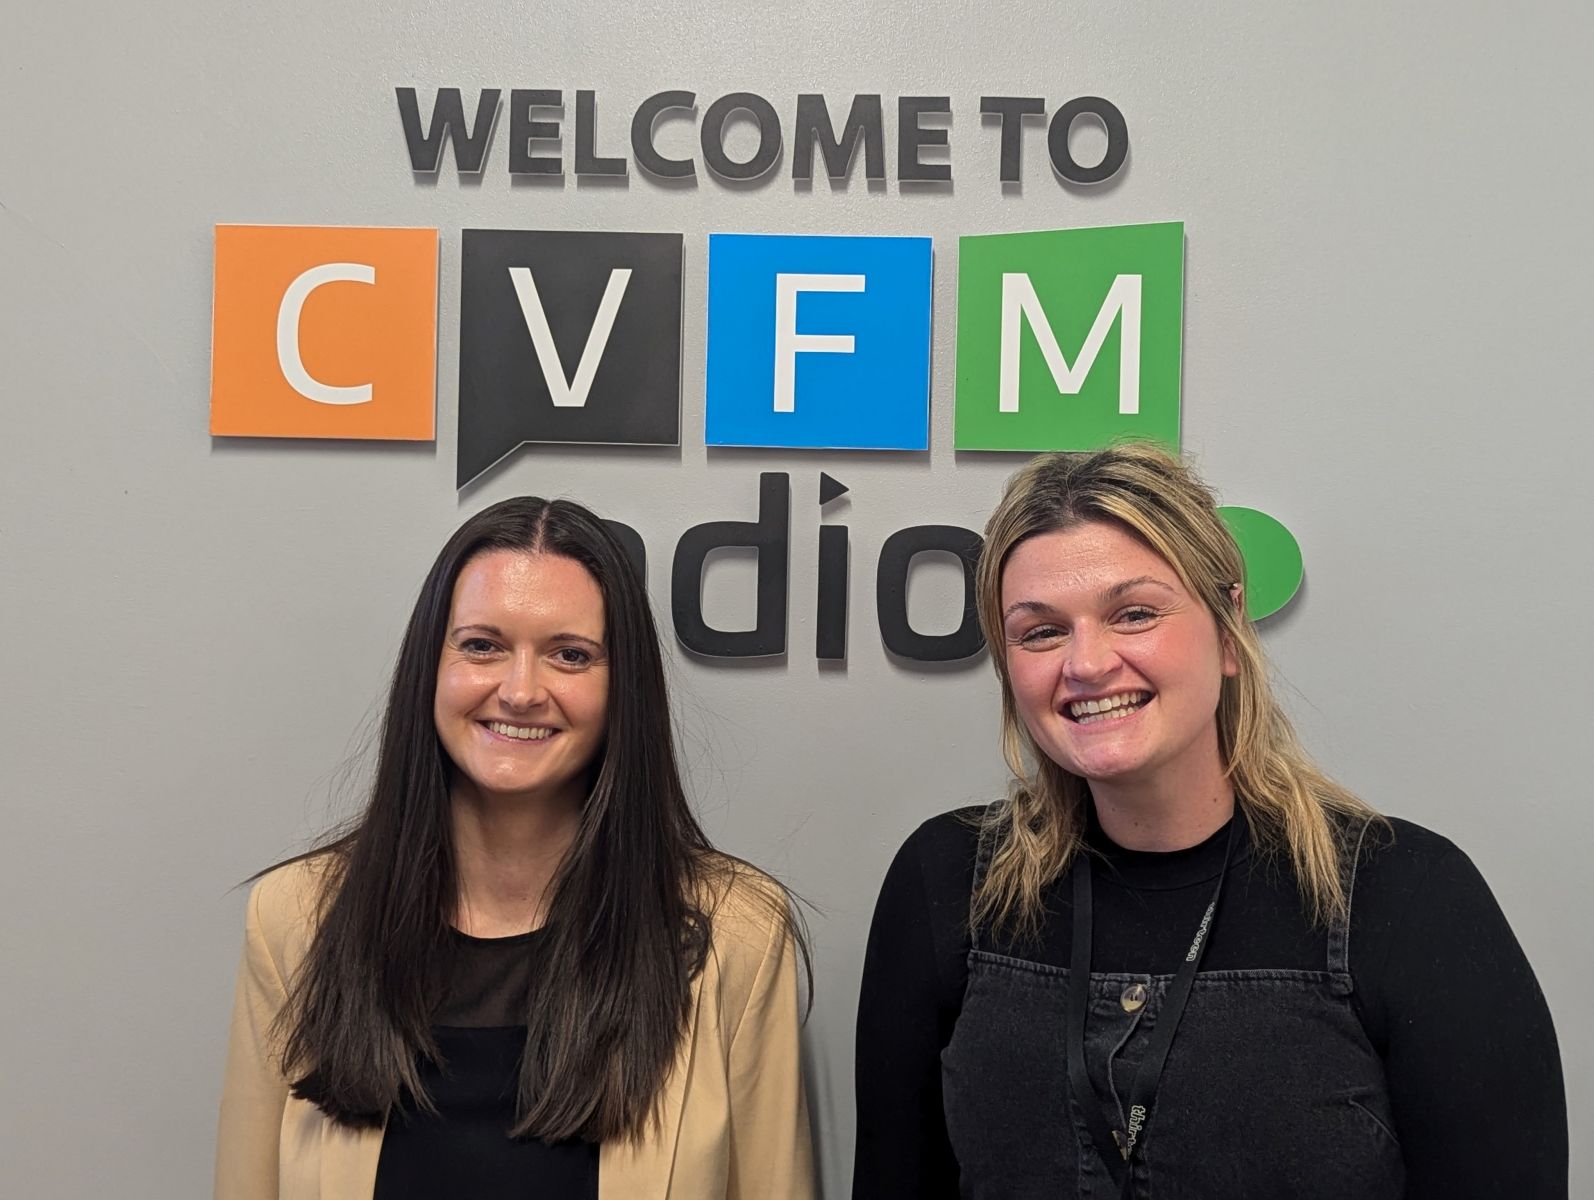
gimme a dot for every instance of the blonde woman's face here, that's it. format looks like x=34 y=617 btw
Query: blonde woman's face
x=1116 y=669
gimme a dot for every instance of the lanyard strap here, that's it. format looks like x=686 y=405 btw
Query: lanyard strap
x=1117 y=1150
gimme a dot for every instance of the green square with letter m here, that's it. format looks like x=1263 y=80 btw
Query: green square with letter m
x=1069 y=339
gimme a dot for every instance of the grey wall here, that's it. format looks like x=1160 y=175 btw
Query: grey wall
x=1386 y=346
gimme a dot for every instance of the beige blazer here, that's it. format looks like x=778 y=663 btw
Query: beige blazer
x=734 y=1124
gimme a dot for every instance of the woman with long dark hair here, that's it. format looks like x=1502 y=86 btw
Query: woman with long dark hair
x=1179 y=961
x=523 y=970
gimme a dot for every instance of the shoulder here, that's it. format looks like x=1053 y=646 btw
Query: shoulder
x=1397 y=856
x=1411 y=882
x=1407 y=840
x=1433 y=954
x=753 y=941
x=936 y=861
x=285 y=904
x=746 y=908
x=919 y=936
x=946 y=845
x=931 y=878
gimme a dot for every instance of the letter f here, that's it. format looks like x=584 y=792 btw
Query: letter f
x=789 y=343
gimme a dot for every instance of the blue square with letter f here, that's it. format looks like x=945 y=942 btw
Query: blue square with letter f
x=820 y=342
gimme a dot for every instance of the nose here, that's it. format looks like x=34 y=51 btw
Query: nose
x=1091 y=654
x=523 y=686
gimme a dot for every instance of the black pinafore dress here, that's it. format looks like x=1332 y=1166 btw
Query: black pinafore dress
x=1271 y=1089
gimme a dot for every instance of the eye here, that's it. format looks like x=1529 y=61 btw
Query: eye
x=477 y=647
x=1138 y=615
x=1040 y=637
x=572 y=656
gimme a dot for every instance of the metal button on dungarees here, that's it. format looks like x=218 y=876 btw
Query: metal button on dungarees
x=1134 y=997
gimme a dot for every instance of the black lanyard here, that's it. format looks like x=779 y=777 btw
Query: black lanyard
x=1117 y=1150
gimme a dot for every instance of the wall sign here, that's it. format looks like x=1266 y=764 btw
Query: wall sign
x=671 y=132
x=1067 y=339
x=1070 y=338
x=324 y=332
x=769 y=537
x=819 y=342
x=567 y=337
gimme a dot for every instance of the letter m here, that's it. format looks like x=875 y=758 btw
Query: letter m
x=448 y=122
x=1020 y=303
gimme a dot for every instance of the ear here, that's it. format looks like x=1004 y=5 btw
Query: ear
x=1231 y=661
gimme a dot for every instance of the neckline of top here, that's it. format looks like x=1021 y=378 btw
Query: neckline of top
x=512 y=939
x=1165 y=870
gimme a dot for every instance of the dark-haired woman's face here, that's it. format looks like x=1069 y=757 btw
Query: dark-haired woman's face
x=523 y=678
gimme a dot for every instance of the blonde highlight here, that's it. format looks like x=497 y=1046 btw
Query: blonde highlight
x=1290 y=805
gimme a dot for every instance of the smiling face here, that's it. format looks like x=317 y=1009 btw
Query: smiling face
x=1115 y=668
x=523 y=678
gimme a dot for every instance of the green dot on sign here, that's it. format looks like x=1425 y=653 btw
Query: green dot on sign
x=1273 y=569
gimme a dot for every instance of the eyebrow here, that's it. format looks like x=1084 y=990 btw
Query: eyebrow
x=492 y=629
x=576 y=637
x=1129 y=585
x=1105 y=596
x=1025 y=606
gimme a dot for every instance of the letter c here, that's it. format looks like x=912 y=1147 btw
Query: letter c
x=288 y=314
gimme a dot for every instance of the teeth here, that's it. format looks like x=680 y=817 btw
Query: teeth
x=1086 y=711
x=520 y=732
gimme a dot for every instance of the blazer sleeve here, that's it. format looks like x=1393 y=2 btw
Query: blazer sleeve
x=254 y=1090
x=771 y=1156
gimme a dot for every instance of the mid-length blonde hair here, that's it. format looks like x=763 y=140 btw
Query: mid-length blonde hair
x=1290 y=805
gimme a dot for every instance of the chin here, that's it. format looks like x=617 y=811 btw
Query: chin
x=1099 y=768
x=1116 y=775
x=502 y=787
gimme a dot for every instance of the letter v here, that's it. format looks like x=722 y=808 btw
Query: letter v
x=569 y=393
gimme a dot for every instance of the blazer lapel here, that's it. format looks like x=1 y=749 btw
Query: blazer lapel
x=645 y=1169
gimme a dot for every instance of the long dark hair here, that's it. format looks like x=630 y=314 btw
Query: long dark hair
x=627 y=929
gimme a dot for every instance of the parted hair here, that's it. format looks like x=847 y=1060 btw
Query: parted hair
x=1291 y=806
x=629 y=922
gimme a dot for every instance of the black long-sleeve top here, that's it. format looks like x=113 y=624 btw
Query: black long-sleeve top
x=1442 y=988
x=461 y=1149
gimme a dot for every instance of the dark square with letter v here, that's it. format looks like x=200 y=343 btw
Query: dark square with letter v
x=567 y=337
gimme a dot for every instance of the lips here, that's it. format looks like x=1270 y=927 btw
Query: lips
x=519 y=733
x=1115 y=706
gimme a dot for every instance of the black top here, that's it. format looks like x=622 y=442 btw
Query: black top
x=463 y=1149
x=1441 y=987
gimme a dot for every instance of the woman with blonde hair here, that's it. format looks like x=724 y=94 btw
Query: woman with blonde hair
x=1178 y=960
x=523 y=971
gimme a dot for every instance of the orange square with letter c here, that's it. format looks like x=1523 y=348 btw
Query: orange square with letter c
x=324 y=332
